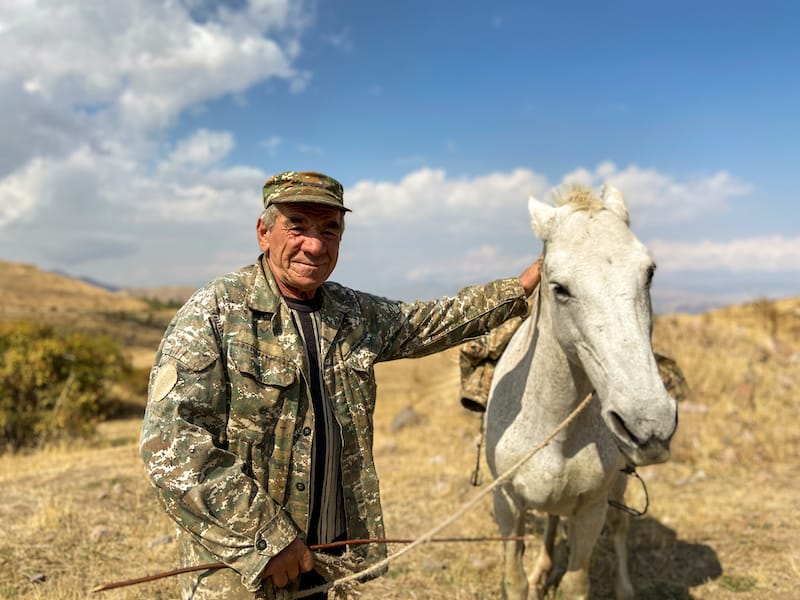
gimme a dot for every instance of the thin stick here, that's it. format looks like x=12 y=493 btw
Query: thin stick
x=317 y=547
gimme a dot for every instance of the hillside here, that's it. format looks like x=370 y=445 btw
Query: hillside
x=723 y=521
x=28 y=292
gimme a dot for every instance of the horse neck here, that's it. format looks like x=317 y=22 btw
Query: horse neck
x=555 y=385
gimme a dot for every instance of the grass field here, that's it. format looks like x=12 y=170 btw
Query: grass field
x=724 y=513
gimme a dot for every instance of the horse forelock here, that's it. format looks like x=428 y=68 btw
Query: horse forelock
x=580 y=198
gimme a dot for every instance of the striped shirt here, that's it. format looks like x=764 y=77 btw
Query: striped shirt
x=326 y=521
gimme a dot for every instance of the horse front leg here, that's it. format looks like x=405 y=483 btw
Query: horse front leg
x=583 y=530
x=510 y=519
x=618 y=523
x=544 y=562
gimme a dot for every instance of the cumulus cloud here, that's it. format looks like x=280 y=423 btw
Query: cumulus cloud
x=430 y=194
x=773 y=254
x=427 y=193
x=141 y=62
x=492 y=206
x=201 y=149
x=403 y=241
x=474 y=265
x=97 y=83
x=653 y=195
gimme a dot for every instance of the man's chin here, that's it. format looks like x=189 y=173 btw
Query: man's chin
x=307 y=286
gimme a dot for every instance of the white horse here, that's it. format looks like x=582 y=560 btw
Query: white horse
x=589 y=330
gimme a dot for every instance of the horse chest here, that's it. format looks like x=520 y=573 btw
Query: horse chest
x=561 y=483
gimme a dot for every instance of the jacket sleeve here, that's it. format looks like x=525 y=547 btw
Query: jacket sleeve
x=202 y=484
x=428 y=327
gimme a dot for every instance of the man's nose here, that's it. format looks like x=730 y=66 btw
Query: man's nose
x=314 y=244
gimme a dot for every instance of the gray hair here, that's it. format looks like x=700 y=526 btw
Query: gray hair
x=268 y=216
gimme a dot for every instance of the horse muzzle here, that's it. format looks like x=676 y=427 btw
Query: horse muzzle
x=646 y=444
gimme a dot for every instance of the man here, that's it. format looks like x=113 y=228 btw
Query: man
x=258 y=430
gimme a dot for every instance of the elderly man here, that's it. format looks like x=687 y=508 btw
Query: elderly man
x=258 y=429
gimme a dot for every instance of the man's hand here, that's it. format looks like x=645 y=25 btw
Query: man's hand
x=531 y=277
x=287 y=564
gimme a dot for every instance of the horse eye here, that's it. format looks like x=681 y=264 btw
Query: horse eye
x=650 y=272
x=560 y=290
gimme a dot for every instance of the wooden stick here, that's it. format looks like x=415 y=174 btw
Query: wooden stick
x=317 y=547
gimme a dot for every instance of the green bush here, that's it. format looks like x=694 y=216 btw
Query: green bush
x=54 y=384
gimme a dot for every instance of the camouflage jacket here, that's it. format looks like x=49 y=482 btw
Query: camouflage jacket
x=227 y=432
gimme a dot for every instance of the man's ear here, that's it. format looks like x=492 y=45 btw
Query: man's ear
x=262 y=235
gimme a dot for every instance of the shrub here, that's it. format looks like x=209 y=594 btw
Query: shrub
x=53 y=384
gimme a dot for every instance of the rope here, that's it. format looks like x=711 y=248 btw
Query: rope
x=427 y=537
x=350 y=575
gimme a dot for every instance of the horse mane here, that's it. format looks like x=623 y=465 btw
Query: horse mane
x=579 y=198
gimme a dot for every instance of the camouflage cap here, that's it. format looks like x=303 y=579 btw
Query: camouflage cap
x=304 y=186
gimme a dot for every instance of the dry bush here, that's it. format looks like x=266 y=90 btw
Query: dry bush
x=53 y=384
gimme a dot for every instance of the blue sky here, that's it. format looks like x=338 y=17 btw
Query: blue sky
x=138 y=133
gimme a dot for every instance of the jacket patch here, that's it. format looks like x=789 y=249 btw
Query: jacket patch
x=165 y=380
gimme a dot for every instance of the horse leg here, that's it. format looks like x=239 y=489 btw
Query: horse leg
x=618 y=522
x=510 y=518
x=544 y=562
x=583 y=530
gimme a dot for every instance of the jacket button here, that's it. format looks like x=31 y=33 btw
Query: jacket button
x=300 y=486
x=261 y=544
x=306 y=430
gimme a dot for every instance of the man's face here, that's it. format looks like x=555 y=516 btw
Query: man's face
x=302 y=247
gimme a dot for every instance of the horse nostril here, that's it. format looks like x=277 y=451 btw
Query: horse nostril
x=621 y=426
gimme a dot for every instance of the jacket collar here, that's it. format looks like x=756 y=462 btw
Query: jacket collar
x=265 y=297
x=264 y=294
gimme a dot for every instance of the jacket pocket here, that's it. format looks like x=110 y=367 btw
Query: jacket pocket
x=261 y=385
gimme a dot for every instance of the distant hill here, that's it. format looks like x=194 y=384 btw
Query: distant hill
x=30 y=293
x=27 y=290
x=166 y=294
x=90 y=280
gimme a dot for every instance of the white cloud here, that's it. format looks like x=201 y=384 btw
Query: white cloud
x=18 y=192
x=88 y=88
x=771 y=254
x=475 y=265
x=475 y=228
x=653 y=195
x=141 y=62
x=430 y=194
x=201 y=149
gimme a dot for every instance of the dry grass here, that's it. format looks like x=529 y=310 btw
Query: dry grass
x=724 y=514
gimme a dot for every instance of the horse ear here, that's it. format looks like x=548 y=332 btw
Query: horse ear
x=542 y=216
x=614 y=202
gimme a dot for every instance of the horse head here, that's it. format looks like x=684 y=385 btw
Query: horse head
x=595 y=296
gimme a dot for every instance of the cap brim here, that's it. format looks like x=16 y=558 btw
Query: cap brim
x=309 y=200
